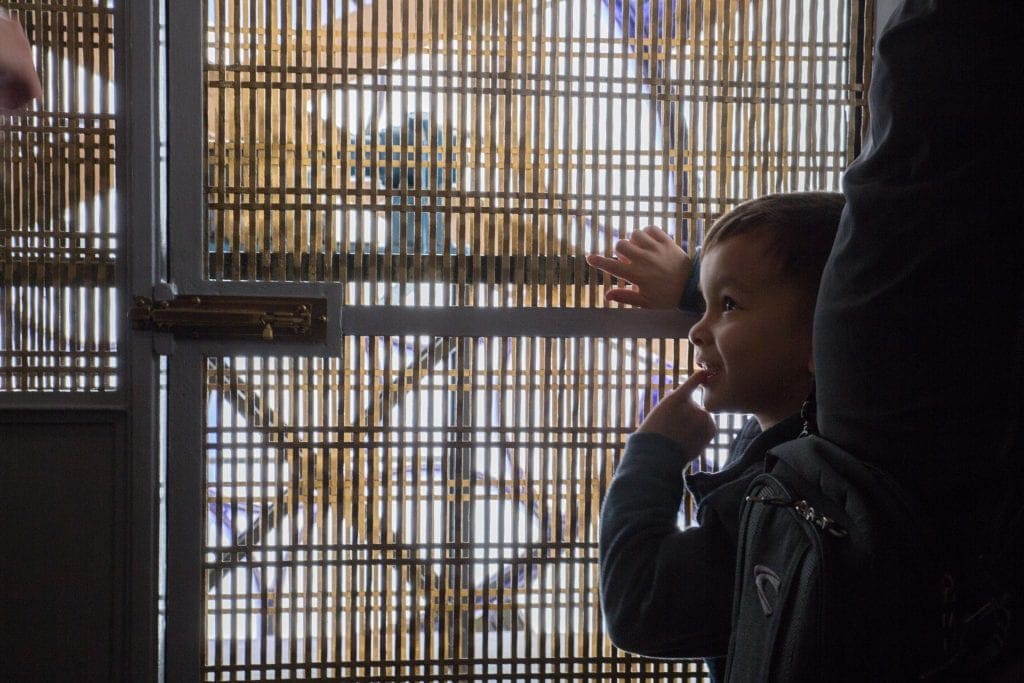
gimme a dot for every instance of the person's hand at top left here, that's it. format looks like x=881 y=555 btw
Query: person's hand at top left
x=19 y=83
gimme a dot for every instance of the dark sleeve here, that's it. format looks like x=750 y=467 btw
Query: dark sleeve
x=926 y=266
x=665 y=592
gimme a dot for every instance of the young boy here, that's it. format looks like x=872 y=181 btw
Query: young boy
x=667 y=592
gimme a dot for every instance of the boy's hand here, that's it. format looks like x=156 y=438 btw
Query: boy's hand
x=656 y=267
x=18 y=80
x=680 y=419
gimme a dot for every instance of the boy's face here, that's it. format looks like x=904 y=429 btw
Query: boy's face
x=755 y=337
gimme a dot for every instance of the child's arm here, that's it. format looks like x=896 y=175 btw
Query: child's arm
x=655 y=266
x=665 y=592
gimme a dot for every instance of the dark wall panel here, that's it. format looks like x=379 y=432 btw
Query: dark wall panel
x=63 y=494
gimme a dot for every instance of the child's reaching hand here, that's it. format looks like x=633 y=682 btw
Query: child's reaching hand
x=678 y=417
x=656 y=268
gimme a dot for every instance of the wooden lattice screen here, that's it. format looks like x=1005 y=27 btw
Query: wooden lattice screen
x=58 y=244
x=425 y=508
x=420 y=508
x=479 y=148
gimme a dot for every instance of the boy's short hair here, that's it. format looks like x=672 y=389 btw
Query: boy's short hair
x=801 y=227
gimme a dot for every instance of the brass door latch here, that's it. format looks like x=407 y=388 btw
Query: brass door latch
x=233 y=317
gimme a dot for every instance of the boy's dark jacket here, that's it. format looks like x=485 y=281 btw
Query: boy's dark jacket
x=668 y=592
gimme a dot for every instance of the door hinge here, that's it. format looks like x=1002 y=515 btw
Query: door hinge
x=234 y=317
